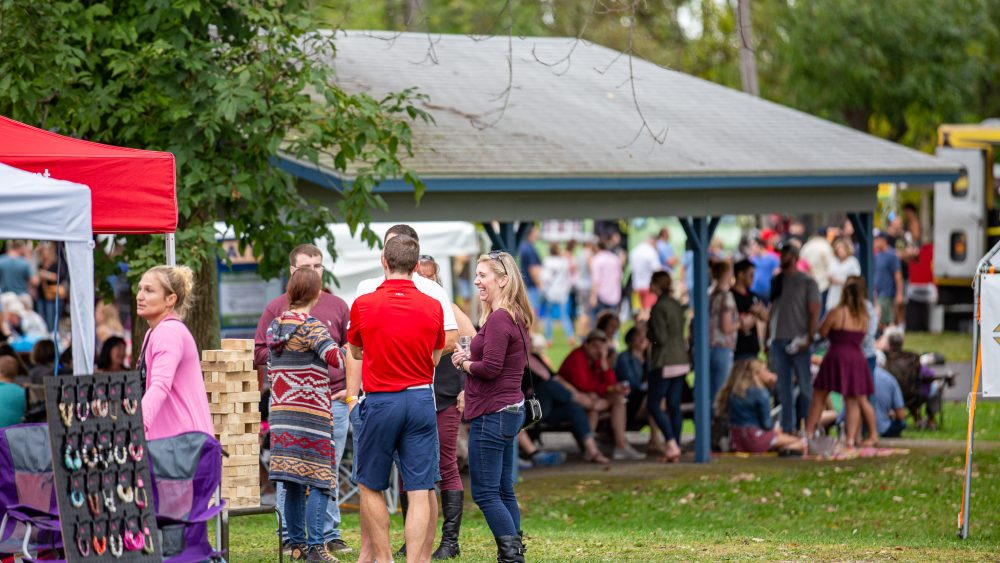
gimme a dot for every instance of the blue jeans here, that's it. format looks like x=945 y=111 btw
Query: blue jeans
x=491 y=459
x=331 y=524
x=535 y=299
x=558 y=311
x=720 y=363
x=786 y=365
x=304 y=516
x=671 y=388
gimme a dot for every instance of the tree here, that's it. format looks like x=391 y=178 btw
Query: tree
x=224 y=85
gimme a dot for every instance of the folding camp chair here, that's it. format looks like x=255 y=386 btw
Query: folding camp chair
x=27 y=498
x=186 y=471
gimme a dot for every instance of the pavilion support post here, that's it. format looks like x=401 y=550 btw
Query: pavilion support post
x=864 y=232
x=496 y=240
x=697 y=229
x=507 y=237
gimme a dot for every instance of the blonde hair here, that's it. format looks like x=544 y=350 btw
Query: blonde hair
x=179 y=281
x=112 y=320
x=513 y=296
x=741 y=379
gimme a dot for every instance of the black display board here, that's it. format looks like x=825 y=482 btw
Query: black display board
x=101 y=469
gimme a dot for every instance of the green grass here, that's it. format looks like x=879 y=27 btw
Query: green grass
x=954 y=346
x=762 y=508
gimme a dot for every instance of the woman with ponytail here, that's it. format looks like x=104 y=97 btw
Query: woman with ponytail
x=174 y=399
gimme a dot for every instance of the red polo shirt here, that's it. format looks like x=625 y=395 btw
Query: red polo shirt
x=399 y=329
x=585 y=374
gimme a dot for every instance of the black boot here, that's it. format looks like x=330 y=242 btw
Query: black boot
x=452 y=503
x=404 y=504
x=509 y=549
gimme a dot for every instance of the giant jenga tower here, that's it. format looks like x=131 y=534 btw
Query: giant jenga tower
x=234 y=401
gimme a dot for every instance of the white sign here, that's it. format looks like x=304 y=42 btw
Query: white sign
x=989 y=331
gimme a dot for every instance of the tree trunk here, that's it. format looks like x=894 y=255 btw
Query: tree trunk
x=748 y=59
x=413 y=13
x=203 y=318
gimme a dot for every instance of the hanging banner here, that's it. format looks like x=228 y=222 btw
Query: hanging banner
x=990 y=334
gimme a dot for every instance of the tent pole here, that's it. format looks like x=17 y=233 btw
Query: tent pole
x=171 y=250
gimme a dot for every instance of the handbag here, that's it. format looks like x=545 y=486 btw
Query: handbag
x=532 y=406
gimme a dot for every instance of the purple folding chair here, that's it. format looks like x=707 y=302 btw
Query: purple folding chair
x=186 y=471
x=27 y=497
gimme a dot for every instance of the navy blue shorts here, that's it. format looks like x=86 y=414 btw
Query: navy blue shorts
x=400 y=426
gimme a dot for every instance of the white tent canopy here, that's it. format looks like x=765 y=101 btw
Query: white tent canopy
x=356 y=261
x=37 y=208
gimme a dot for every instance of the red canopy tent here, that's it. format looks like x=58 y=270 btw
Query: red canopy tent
x=133 y=191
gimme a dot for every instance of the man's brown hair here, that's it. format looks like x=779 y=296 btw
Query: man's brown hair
x=401 y=253
x=304 y=286
x=306 y=249
x=8 y=367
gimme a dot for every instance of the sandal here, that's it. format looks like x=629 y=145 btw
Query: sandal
x=597 y=458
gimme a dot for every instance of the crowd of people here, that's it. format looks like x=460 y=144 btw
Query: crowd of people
x=791 y=326
x=404 y=367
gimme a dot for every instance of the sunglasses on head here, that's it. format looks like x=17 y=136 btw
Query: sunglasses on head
x=425 y=258
x=497 y=255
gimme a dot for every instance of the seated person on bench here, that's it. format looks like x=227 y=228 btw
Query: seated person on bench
x=890 y=416
x=597 y=390
x=905 y=367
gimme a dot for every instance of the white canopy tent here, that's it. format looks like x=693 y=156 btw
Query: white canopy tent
x=356 y=261
x=38 y=208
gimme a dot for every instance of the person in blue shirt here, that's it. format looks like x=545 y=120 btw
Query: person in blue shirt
x=888 y=281
x=747 y=400
x=890 y=410
x=531 y=269
x=12 y=397
x=668 y=256
x=765 y=265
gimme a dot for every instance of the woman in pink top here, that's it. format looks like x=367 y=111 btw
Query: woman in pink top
x=174 y=401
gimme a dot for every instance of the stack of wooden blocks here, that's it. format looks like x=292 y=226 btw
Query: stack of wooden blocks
x=234 y=401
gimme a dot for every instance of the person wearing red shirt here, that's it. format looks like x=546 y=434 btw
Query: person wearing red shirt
x=398 y=334
x=597 y=390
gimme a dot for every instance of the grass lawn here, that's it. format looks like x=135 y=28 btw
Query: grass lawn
x=900 y=508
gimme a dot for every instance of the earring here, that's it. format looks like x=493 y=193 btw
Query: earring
x=84 y=413
x=94 y=503
x=147 y=540
x=130 y=405
x=129 y=540
x=109 y=501
x=99 y=408
x=120 y=459
x=82 y=545
x=115 y=546
x=140 y=490
x=100 y=545
x=135 y=450
x=113 y=409
x=66 y=413
x=72 y=462
x=125 y=493
x=76 y=499
x=90 y=456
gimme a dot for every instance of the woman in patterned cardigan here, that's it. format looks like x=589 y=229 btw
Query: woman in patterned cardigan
x=302 y=448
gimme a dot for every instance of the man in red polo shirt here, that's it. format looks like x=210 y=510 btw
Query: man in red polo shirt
x=398 y=334
x=597 y=390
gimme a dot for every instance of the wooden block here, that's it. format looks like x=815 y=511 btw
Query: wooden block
x=224 y=366
x=236 y=460
x=232 y=355
x=246 y=481
x=220 y=408
x=217 y=386
x=233 y=439
x=248 y=397
x=237 y=344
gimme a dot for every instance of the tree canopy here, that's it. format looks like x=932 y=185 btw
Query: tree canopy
x=224 y=85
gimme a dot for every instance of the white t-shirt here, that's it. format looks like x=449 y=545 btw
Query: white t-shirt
x=644 y=260
x=838 y=273
x=556 y=279
x=426 y=286
x=818 y=253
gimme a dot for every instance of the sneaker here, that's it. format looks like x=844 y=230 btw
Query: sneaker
x=548 y=459
x=338 y=546
x=318 y=553
x=628 y=453
x=296 y=552
x=523 y=464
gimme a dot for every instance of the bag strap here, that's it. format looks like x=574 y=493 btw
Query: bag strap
x=142 y=355
x=527 y=365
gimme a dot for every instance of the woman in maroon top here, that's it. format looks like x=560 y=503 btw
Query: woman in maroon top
x=494 y=404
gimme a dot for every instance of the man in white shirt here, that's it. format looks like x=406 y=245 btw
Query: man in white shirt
x=818 y=253
x=645 y=260
x=431 y=289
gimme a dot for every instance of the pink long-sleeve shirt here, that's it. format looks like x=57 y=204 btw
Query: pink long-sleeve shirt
x=175 y=401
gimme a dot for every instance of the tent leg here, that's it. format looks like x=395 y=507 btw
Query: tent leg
x=863 y=229
x=171 y=250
